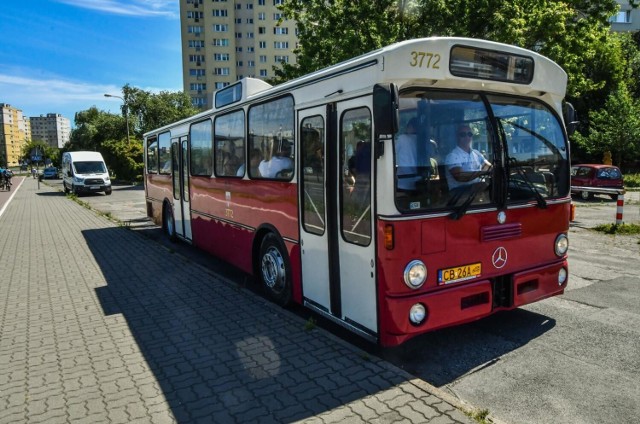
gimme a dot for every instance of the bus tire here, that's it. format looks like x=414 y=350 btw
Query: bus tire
x=108 y=192
x=275 y=270
x=169 y=224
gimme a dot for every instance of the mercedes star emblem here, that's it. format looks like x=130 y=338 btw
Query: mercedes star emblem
x=499 y=258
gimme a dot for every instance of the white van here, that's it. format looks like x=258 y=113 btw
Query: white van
x=85 y=172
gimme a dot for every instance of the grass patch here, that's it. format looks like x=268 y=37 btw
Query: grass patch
x=310 y=324
x=481 y=416
x=626 y=229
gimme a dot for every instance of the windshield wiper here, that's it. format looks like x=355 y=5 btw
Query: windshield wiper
x=471 y=195
x=542 y=204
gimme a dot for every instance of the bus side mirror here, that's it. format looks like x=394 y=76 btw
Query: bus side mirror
x=385 y=108
x=570 y=118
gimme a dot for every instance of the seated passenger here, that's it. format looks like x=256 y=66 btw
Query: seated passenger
x=280 y=161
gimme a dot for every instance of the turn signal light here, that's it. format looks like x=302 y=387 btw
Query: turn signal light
x=388 y=236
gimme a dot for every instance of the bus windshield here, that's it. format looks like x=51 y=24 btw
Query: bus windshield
x=460 y=150
x=89 y=167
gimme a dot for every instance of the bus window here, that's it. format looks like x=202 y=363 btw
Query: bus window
x=271 y=129
x=230 y=145
x=164 y=152
x=200 y=134
x=152 y=155
x=312 y=153
x=355 y=140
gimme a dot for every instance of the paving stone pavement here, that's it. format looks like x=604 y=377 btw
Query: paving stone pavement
x=99 y=324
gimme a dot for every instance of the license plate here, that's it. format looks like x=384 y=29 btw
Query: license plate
x=94 y=187
x=459 y=273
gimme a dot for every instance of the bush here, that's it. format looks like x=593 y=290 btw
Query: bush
x=632 y=180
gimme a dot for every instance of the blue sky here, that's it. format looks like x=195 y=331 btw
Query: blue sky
x=62 y=56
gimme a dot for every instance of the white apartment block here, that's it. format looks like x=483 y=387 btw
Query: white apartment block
x=226 y=40
x=54 y=129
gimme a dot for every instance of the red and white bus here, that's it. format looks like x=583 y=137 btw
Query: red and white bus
x=309 y=185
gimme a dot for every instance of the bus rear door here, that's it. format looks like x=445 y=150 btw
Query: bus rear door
x=181 y=209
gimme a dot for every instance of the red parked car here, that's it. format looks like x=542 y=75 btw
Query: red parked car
x=595 y=176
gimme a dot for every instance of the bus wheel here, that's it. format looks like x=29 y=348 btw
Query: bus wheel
x=275 y=271
x=169 y=224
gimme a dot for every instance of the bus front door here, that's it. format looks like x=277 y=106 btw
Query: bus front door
x=181 y=209
x=336 y=234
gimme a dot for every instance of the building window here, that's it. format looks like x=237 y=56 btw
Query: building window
x=219 y=13
x=220 y=71
x=262 y=16
x=280 y=31
x=261 y=2
x=194 y=29
x=277 y=16
x=239 y=63
x=263 y=58
x=238 y=21
x=220 y=85
x=221 y=57
x=195 y=15
x=196 y=43
x=262 y=44
x=196 y=72
x=220 y=42
x=622 y=17
x=196 y=58
x=277 y=2
x=262 y=30
x=198 y=86
x=250 y=21
x=279 y=59
x=280 y=44
x=238 y=35
x=220 y=28
x=238 y=49
x=238 y=6
x=263 y=72
x=250 y=6
x=251 y=63
x=249 y=34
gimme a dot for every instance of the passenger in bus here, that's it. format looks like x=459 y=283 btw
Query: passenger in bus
x=255 y=157
x=279 y=163
x=464 y=164
x=411 y=165
x=230 y=161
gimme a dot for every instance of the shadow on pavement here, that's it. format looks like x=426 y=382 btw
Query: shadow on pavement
x=219 y=353
x=443 y=356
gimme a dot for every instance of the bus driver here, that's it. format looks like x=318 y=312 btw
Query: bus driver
x=464 y=164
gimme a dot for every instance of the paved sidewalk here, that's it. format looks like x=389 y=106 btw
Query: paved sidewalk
x=100 y=324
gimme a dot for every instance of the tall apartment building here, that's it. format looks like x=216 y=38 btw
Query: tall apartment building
x=15 y=133
x=224 y=41
x=54 y=129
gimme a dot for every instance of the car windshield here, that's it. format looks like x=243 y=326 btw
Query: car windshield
x=456 y=151
x=89 y=167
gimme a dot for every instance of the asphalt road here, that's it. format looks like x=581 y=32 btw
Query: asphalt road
x=569 y=359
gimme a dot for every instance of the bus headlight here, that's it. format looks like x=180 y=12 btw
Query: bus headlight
x=417 y=314
x=561 y=244
x=415 y=274
x=562 y=276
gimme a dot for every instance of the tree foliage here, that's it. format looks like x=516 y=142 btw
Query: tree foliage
x=47 y=152
x=614 y=128
x=105 y=132
x=574 y=33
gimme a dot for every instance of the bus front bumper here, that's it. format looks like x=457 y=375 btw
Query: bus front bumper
x=469 y=302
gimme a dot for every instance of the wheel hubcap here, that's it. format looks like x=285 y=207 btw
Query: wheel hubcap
x=273 y=269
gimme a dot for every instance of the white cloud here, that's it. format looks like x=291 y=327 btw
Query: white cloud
x=38 y=95
x=167 y=8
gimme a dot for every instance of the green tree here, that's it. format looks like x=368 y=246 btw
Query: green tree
x=614 y=128
x=46 y=151
x=106 y=133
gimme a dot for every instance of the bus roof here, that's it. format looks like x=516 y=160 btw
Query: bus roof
x=418 y=62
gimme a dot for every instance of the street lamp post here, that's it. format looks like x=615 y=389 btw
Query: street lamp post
x=126 y=112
